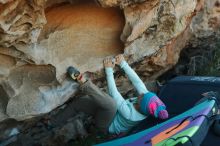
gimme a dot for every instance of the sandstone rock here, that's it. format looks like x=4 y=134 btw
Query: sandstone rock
x=80 y=35
x=33 y=90
x=4 y=1
x=170 y=19
x=207 y=22
x=21 y=21
x=35 y=54
x=121 y=3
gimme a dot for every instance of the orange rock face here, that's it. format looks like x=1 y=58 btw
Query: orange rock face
x=80 y=35
x=41 y=38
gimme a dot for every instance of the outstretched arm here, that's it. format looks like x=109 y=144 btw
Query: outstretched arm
x=132 y=75
x=122 y=106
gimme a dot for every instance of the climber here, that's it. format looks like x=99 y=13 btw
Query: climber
x=131 y=111
x=112 y=112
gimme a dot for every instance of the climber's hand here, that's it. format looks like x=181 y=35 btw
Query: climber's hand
x=118 y=59
x=109 y=63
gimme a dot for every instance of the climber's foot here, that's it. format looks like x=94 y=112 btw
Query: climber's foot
x=76 y=75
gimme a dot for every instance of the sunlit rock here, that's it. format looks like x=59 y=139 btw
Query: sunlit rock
x=39 y=39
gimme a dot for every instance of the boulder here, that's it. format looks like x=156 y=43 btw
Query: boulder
x=40 y=39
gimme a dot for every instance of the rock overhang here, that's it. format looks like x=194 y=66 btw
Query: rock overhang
x=56 y=34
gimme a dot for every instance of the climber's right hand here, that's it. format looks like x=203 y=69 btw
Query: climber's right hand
x=118 y=59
